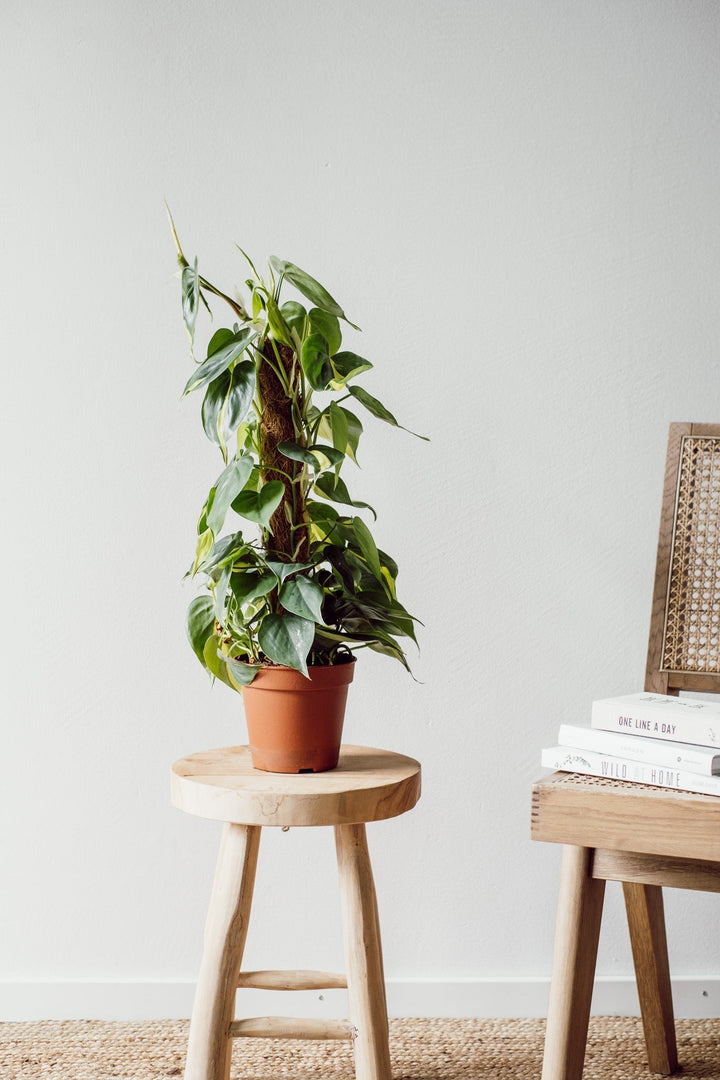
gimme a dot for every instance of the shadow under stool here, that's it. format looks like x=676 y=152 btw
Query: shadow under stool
x=367 y=785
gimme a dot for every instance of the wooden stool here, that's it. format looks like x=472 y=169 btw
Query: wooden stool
x=367 y=785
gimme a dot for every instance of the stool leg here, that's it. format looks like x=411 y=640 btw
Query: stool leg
x=363 y=954
x=209 y=1043
x=646 y=921
x=576 y=942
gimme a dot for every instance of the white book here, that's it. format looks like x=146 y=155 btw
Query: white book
x=660 y=716
x=591 y=763
x=704 y=760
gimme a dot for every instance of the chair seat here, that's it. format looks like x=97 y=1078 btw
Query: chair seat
x=594 y=812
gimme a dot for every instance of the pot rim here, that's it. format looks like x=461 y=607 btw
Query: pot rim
x=281 y=677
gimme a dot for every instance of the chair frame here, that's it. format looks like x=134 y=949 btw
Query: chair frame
x=659 y=680
x=644 y=837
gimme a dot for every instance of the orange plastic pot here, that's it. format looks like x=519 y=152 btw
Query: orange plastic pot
x=295 y=724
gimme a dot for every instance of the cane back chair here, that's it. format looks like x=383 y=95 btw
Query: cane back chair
x=645 y=837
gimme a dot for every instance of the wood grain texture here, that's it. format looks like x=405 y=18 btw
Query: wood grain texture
x=646 y=922
x=656 y=870
x=655 y=679
x=367 y=785
x=699 y=682
x=209 y=1046
x=287 y=1027
x=572 y=809
x=363 y=954
x=292 y=980
x=577 y=932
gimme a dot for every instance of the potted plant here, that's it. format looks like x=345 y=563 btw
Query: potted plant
x=295 y=583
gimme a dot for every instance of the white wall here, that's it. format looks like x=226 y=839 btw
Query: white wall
x=518 y=202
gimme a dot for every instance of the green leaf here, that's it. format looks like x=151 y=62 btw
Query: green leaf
x=354 y=429
x=324 y=518
x=214 y=661
x=283 y=570
x=227 y=401
x=311 y=289
x=346 y=365
x=378 y=410
x=339 y=427
x=259 y=506
x=388 y=647
x=213 y=407
x=303 y=597
x=190 y=283
x=220 y=337
x=251 y=585
x=221 y=593
x=348 y=567
x=388 y=564
x=333 y=488
x=389 y=581
x=375 y=609
x=244 y=434
x=200 y=623
x=294 y=315
x=278 y=327
x=315 y=360
x=287 y=639
x=298 y=453
x=241 y=673
x=203 y=546
x=322 y=512
x=321 y=322
x=227 y=487
x=368 y=548
x=326 y=456
x=318 y=456
x=221 y=359
x=225 y=550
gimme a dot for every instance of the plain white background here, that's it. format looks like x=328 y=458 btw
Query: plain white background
x=518 y=202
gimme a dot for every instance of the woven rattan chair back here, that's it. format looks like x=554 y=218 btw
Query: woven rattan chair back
x=645 y=837
x=684 y=647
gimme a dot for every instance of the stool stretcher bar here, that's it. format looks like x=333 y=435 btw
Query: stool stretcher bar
x=292 y=980
x=286 y=1027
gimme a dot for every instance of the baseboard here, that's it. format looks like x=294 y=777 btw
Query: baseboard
x=157 y=999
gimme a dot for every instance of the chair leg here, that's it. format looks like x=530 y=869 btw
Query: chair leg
x=646 y=922
x=576 y=941
x=363 y=954
x=209 y=1042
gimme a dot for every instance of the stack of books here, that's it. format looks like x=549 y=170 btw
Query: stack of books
x=645 y=739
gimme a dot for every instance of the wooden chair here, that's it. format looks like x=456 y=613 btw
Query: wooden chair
x=645 y=837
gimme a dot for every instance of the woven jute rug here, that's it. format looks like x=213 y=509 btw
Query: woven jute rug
x=420 y=1049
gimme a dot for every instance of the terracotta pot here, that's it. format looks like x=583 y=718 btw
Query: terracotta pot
x=295 y=724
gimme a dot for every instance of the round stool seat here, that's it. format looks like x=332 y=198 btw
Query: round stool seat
x=367 y=785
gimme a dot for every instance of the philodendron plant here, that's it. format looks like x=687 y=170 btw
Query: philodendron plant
x=293 y=574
